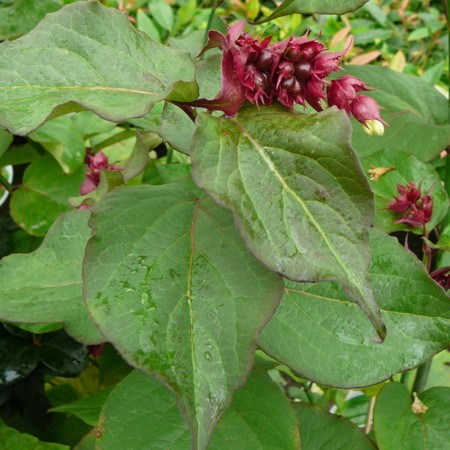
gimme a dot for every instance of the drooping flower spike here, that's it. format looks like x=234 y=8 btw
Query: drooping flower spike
x=292 y=72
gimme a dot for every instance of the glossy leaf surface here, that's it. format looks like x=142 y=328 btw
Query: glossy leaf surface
x=141 y=411
x=170 y=284
x=314 y=7
x=88 y=56
x=51 y=290
x=398 y=427
x=299 y=197
x=320 y=333
x=320 y=430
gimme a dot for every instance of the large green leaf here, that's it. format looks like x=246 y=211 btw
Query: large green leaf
x=298 y=193
x=23 y=15
x=260 y=417
x=414 y=109
x=88 y=56
x=142 y=414
x=44 y=195
x=407 y=168
x=322 y=430
x=397 y=427
x=169 y=282
x=314 y=7
x=45 y=286
x=320 y=333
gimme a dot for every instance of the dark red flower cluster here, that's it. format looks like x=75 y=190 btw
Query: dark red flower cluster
x=95 y=163
x=416 y=209
x=292 y=72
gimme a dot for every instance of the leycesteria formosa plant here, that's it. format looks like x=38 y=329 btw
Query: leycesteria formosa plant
x=209 y=220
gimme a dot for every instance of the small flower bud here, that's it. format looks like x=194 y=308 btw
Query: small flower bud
x=374 y=127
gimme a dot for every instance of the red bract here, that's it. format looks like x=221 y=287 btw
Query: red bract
x=292 y=72
x=442 y=277
x=416 y=208
x=95 y=164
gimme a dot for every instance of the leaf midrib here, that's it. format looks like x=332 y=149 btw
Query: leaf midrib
x=349 y=303
x=274 y=170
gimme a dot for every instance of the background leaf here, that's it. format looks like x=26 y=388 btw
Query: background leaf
x=44 y=195
x=169 y=282
x=288 y=7
x=51 y=290
x=90 y=56
x=23 y=15
x=11 y=438
x=299 y=197
x=397 y=426
x=320 y=429
x=319 y=333
x=414 y=109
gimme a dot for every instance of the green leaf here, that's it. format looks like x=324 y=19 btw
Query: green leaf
x=320 y=333
x=415 y=111
x=138 y=159
x=17 y=358
x=407 y=168
x=260 y=417
x=44 y=195
x=13 y=439
x=419 y=33
x=434 y=73
x=209 y=75
x=51 y=290
x=5 y=141
x=397 y=426
x=177 y=128
x=88 y=56
x=87 y=409
x=63 y=140
x=145 y=24
x=370 y=36
x=162 y=14
x=62 y=355
x=168 y=298
x=23 y=15
x=140 y=407
x=186 y=12
x=376 y=12
x=22 y=154
x=320 y=429
x=444 y=238
x=299 y=197
x=314 y=7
